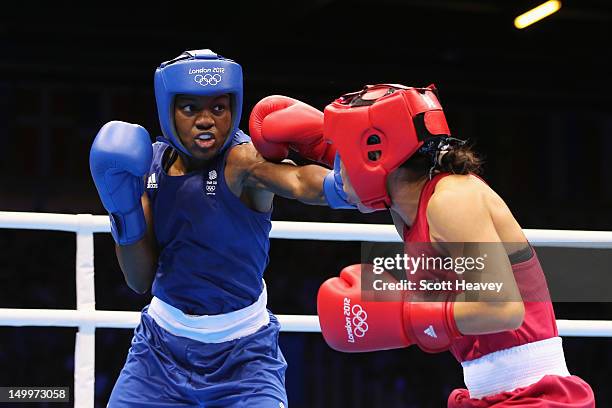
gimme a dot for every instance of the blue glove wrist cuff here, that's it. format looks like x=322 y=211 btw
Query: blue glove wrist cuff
x=128 y=228
x=335 y=199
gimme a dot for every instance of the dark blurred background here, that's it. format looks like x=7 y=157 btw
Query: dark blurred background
x=536 y=102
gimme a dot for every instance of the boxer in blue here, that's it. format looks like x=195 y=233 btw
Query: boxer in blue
x=190 y=215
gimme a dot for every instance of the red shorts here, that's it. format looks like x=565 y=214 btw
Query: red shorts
x=551 y=392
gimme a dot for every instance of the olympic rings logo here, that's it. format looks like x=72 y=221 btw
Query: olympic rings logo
x=359 y=321
x=207 y=79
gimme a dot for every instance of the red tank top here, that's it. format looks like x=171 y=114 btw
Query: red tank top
x=539 y=322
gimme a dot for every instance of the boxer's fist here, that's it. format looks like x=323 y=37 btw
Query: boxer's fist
x=351 y=325
x=119 y=158
x=278 y=123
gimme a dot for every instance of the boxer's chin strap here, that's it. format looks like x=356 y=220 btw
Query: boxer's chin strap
x=431 y=325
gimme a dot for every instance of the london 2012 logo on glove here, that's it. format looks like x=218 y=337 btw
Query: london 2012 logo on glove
x=357 y=325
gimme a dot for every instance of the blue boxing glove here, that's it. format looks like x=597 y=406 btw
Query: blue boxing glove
x=333 y=188
x=120 y=156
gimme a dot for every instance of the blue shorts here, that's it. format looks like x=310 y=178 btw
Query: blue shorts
x=163 y=370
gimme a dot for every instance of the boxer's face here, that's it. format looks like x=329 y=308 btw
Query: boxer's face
x=350 y=191
x=202 y=123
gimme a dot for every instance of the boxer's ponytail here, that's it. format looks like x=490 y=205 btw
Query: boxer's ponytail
x=457 y=158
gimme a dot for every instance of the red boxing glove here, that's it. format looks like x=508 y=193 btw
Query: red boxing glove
x=349 y=324
x=278 y=123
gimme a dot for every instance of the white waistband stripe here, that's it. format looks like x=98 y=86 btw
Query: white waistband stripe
x=214 y=328
x=516 y=367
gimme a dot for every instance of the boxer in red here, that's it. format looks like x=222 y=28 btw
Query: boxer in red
x=396 y=153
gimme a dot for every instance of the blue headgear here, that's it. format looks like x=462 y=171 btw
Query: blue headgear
x=197 y=72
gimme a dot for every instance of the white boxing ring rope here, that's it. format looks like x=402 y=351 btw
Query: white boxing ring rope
x=87 y=318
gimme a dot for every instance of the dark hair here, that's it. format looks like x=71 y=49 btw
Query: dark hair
x=458 y=159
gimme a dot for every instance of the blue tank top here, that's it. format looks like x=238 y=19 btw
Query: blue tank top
x=213 y=249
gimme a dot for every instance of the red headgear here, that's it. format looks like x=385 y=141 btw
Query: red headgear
x=377 y=129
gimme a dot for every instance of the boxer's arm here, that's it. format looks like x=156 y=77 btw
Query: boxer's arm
x=138 y=261
x=469 y=223
x=398 y=222
x=303 y=183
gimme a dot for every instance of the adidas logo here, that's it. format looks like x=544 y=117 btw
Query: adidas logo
x=430 y=332
x=152 y=181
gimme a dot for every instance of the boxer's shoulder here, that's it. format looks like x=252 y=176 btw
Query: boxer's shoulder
x=241 y=158
x=456 y=208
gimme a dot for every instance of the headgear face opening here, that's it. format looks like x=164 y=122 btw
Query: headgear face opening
x=377 y=129
x=197 y=72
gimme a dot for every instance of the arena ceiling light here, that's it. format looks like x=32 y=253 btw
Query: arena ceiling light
x=537 y=13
